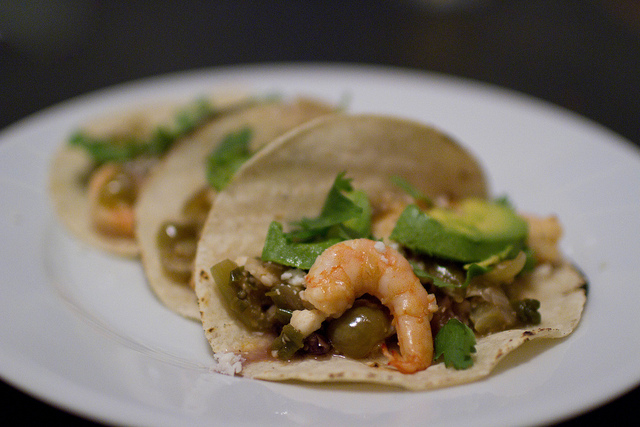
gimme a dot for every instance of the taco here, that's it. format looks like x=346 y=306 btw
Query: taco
x=96 y=174
x=491 y=278
x=178 y=194
x=338 y=207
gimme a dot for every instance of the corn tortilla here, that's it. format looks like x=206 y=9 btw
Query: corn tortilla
x=181 y=174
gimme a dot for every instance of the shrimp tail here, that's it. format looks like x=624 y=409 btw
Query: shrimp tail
x=407 y=365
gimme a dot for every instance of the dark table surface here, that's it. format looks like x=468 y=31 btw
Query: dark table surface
x=583 y=55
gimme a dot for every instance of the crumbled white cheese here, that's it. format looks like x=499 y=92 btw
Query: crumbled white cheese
x=307 y=321
x=260 y=271
x=380 y=246
x=227 y=363
x=293 y=277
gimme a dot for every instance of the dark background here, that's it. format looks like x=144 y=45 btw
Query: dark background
x=583 y=55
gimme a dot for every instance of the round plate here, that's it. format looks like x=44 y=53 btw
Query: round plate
x=81 y=330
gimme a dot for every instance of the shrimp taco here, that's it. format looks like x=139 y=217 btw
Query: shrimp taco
x=177 y=196
x=97 y=173
x=365 y=248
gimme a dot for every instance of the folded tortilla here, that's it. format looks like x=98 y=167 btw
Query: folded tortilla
x=182 y=173
x=289 y=180
x=72 y=166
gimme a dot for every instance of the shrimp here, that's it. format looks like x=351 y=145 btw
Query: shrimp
x=350 y=269
x=544 y=236
x=116 y=218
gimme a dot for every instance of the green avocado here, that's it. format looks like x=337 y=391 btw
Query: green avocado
x=472 y=231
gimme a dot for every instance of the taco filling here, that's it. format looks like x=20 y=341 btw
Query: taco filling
x=328 y=286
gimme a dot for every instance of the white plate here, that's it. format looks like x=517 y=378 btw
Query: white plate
x=81 y=330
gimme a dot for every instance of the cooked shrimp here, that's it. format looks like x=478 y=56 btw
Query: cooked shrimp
x=387 y=209
x=116 y=217
x=350 y=269
x=544 y=235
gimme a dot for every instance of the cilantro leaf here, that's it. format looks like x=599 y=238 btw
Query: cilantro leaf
x=124 y=148
x=337 y=208
x=359 y=225
x=455 y=342
x=108 y=149
x=223 y=162
x=346 y=214
x=278 y=248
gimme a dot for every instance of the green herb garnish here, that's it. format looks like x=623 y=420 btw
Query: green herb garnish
x=124 y=148
x=227 y=158
x=279 y=248
x=346 y=214
x=455 y=342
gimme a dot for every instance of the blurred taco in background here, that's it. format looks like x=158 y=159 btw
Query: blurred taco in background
x=176 y=197
x=96 y=174
x=366 y=248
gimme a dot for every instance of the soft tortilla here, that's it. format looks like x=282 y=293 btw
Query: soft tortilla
x=181 y=174
x=71 y=167
x=290 y=180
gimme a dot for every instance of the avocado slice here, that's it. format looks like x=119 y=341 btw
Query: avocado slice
x=473 y=230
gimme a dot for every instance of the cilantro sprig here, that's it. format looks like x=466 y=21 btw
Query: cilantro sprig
x=345 y=214
x=455 y=342
x=223 y=162
x=126 y=147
